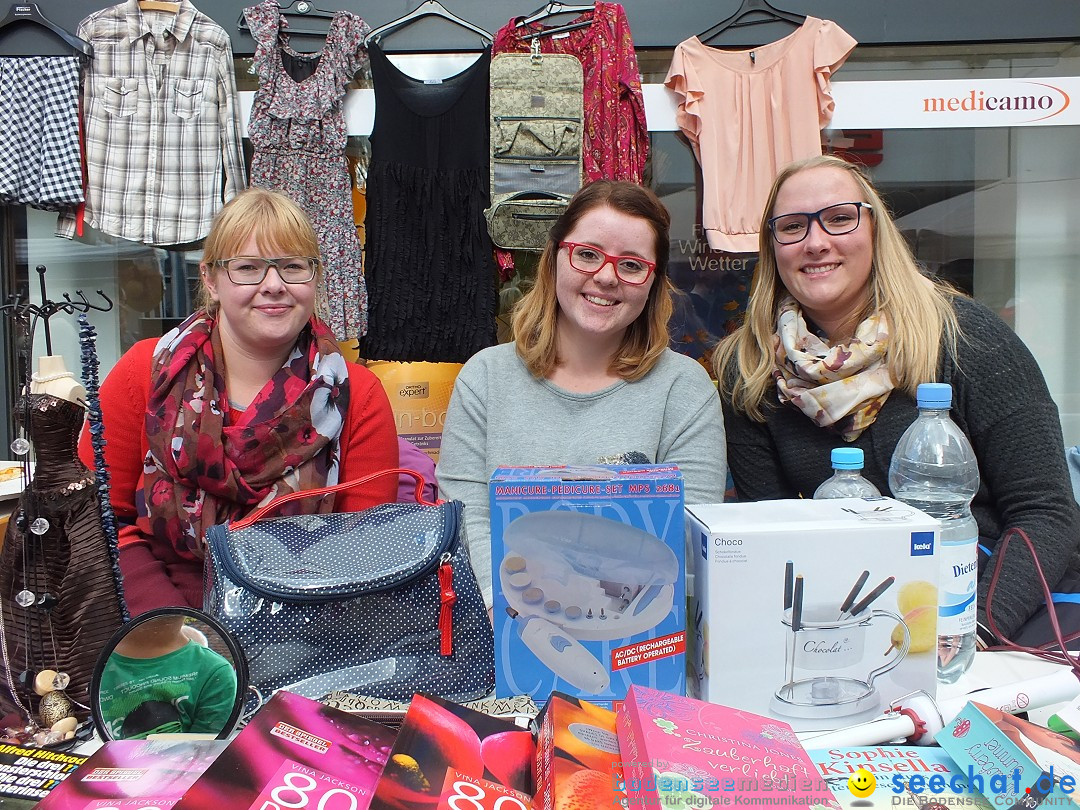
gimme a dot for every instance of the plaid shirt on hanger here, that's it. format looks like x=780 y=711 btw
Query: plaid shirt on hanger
x=161 y=120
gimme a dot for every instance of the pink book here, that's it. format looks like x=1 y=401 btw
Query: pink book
x=448 y=757
x=134 y=773
x=295 y=752
x=679 y=752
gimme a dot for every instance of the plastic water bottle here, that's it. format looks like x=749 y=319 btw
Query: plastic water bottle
x=934 y=469
x=847 y=480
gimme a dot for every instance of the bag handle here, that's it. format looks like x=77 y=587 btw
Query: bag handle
x=262 y=511
x=1044 y=651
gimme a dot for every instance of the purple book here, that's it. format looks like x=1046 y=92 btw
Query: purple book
x=295 y=747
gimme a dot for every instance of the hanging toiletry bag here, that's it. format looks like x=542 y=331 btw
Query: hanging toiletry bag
x=381 y=602
x=536 y=135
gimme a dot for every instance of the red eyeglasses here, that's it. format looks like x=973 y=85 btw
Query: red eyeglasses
x=590 y=260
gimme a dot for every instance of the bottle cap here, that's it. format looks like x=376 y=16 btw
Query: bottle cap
x=847 y=458
x=934 y=395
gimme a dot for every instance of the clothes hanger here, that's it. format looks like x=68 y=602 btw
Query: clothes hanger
x=301 y=9
x=29 y=12
x=771 y=14
x=160 y=5
x=553 y=9
x=427 y=9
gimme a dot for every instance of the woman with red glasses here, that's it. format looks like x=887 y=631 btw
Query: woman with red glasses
x=589 y=377
x=248 y=398
x=840 y=329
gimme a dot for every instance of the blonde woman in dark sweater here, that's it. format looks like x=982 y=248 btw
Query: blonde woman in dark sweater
x=840 y=329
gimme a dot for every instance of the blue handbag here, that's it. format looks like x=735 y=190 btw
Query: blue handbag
x=382 y=602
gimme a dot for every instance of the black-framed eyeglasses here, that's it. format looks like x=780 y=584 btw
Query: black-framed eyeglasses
x=787 y=229
x=253 y=269
x=590 y=260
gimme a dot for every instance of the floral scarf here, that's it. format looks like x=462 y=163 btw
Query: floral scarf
x=200 y=471
x=840 y=387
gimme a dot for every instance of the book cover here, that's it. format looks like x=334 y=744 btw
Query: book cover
x=678 y=752
x=438 y=737
x=30 y=773
x=295 y=750
x=134 y=773
x=577 y=756
x=900 y=775
x=1007 y=758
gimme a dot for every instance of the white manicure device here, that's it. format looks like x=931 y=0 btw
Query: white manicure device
x=573 y=576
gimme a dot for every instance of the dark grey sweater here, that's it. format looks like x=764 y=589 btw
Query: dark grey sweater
x=1001 y=402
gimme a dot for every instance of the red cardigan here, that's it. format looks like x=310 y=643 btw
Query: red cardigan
x=154 y=576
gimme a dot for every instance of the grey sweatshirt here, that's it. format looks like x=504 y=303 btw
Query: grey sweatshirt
x=501 y=415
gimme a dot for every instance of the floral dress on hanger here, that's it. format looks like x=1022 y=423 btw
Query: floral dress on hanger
x=297 y=128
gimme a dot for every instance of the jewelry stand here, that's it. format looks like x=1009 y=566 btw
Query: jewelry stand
x=40 y=577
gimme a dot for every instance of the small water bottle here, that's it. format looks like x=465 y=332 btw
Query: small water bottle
x=847 y=480
x=934 y=469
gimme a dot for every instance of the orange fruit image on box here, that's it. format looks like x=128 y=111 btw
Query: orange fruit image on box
x=577 y=757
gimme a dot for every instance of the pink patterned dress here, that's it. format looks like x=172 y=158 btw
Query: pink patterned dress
x=297 y=128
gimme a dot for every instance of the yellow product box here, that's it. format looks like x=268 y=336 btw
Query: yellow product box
x=419 y=394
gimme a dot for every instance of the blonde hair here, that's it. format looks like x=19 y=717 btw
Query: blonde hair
x=536 y=314
x=280 y=227
x=919 y=310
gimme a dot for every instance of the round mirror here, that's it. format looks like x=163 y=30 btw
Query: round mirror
x=168 y=671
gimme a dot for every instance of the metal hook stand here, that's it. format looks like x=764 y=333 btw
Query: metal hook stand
x=47 y=308
x=34 y=620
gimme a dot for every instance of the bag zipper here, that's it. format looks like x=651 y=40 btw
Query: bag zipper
x=447 y=598
x=517 y=215
x=576 y=119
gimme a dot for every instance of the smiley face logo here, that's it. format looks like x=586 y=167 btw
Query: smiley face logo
x=862 y=783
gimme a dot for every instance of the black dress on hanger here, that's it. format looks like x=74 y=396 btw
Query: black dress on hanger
x=430 y=271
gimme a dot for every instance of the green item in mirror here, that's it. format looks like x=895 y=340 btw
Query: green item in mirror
x=164 y=674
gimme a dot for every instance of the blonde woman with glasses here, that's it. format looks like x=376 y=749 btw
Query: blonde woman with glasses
x=247 y=399
x=589 y=377
x=840 y=329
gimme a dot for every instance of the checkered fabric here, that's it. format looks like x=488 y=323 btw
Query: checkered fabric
x=161 y=120
x=40 y=158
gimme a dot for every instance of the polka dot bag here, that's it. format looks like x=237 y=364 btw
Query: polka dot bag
x=381 y=602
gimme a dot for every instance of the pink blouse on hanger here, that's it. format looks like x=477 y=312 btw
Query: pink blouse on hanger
x=747 y=113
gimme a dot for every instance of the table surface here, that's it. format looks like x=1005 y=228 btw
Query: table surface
x=999 y=668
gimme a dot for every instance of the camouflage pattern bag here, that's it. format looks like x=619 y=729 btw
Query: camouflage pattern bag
x=521 y=221
x=536 y=143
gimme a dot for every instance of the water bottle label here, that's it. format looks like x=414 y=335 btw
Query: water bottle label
x=959 y=579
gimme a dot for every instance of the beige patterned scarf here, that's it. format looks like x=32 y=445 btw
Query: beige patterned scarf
x=840 y=387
